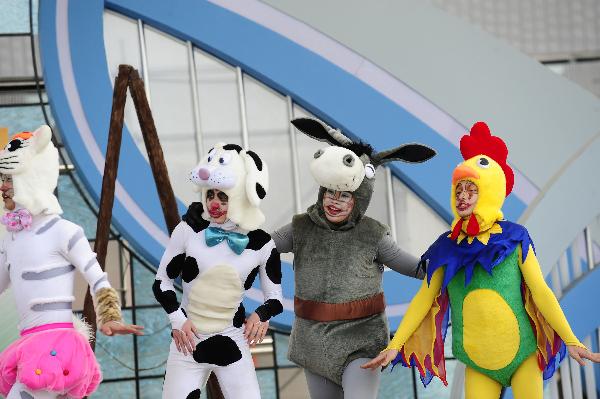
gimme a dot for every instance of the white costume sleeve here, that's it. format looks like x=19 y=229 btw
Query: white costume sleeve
x=169 y=269
x=270 y=282
x=76 y=249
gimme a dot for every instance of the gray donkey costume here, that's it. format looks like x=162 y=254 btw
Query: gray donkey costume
x=338 y=300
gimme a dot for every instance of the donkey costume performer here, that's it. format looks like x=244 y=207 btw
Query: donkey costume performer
x=39 y=255
x=217 y=263
x=339 y=301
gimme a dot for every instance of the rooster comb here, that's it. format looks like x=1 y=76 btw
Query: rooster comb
x=480 y=141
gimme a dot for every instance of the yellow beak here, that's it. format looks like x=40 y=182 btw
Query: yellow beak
x=462 y=172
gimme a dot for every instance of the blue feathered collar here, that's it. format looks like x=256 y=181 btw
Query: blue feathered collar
x=445 y=252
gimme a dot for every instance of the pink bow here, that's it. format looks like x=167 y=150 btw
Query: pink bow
x=17 y=221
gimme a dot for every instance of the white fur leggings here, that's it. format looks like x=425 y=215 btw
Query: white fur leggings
x=226 y=354
x=357 y=383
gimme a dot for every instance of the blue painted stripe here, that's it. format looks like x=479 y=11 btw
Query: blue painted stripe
x=282 y=64
x=313 y=82
x=92 y=77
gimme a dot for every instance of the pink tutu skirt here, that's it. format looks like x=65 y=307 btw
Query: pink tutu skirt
x=53 y=357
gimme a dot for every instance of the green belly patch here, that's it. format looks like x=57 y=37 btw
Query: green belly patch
x=490 y=327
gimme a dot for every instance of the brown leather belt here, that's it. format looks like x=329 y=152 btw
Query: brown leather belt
x=322 y=311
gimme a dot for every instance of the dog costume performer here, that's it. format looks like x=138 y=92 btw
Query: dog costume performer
x=217 y=263
x=508 y=327
x=39 y=256
x=339 y=303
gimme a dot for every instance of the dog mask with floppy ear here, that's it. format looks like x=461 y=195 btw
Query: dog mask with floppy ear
x=242 y=175
x=345 y=164
x=257 y=177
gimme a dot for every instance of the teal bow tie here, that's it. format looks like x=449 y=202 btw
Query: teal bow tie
x=236 y=241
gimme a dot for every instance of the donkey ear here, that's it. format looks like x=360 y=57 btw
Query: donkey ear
x=411 y=153
x=42 y=136
x=320 y=131
x=257 y=177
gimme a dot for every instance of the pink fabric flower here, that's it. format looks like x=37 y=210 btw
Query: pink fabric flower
x=17 y=221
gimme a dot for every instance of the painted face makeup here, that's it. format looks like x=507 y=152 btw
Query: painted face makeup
x=338 y=205
x=8 y=192
x=466 y=193
x=217 y=204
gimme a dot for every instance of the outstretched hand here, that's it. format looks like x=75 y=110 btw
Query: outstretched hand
x=382 y=360
x=578 y=353
x=111 y=328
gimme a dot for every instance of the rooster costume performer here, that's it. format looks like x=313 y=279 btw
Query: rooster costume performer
x=39 y=256
x=508 y=327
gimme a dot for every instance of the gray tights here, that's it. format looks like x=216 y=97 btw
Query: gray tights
x=356 y=383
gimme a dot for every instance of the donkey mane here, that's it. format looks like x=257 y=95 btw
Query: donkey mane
x=361 y=148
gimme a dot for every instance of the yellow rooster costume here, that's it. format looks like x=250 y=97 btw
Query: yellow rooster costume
x=508 y=327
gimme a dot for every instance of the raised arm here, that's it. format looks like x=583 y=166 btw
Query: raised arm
x=284 y=241
x=394 y=257
x=171 y=266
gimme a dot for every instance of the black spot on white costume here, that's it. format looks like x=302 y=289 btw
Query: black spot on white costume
x=167 y=299
x=258 y=239
x=175 y=266
x=190 y=269
x=240 y=316
x=256 y=159
x=195 y=394
x=225 y=351
x=218 y=350
x=193 y=217
x=251 y=277
x=274 y=266
x=260 y=191
x=230 y=147
x=270 y=307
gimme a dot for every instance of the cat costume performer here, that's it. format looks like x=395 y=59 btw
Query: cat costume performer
x=39 y=256
x=217 y=263
x=508 y=328
x=338 y=268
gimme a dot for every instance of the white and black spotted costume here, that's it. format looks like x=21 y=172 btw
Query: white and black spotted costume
x=214 y=279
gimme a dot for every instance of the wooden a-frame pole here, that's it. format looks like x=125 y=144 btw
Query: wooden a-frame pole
x=128 y=77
